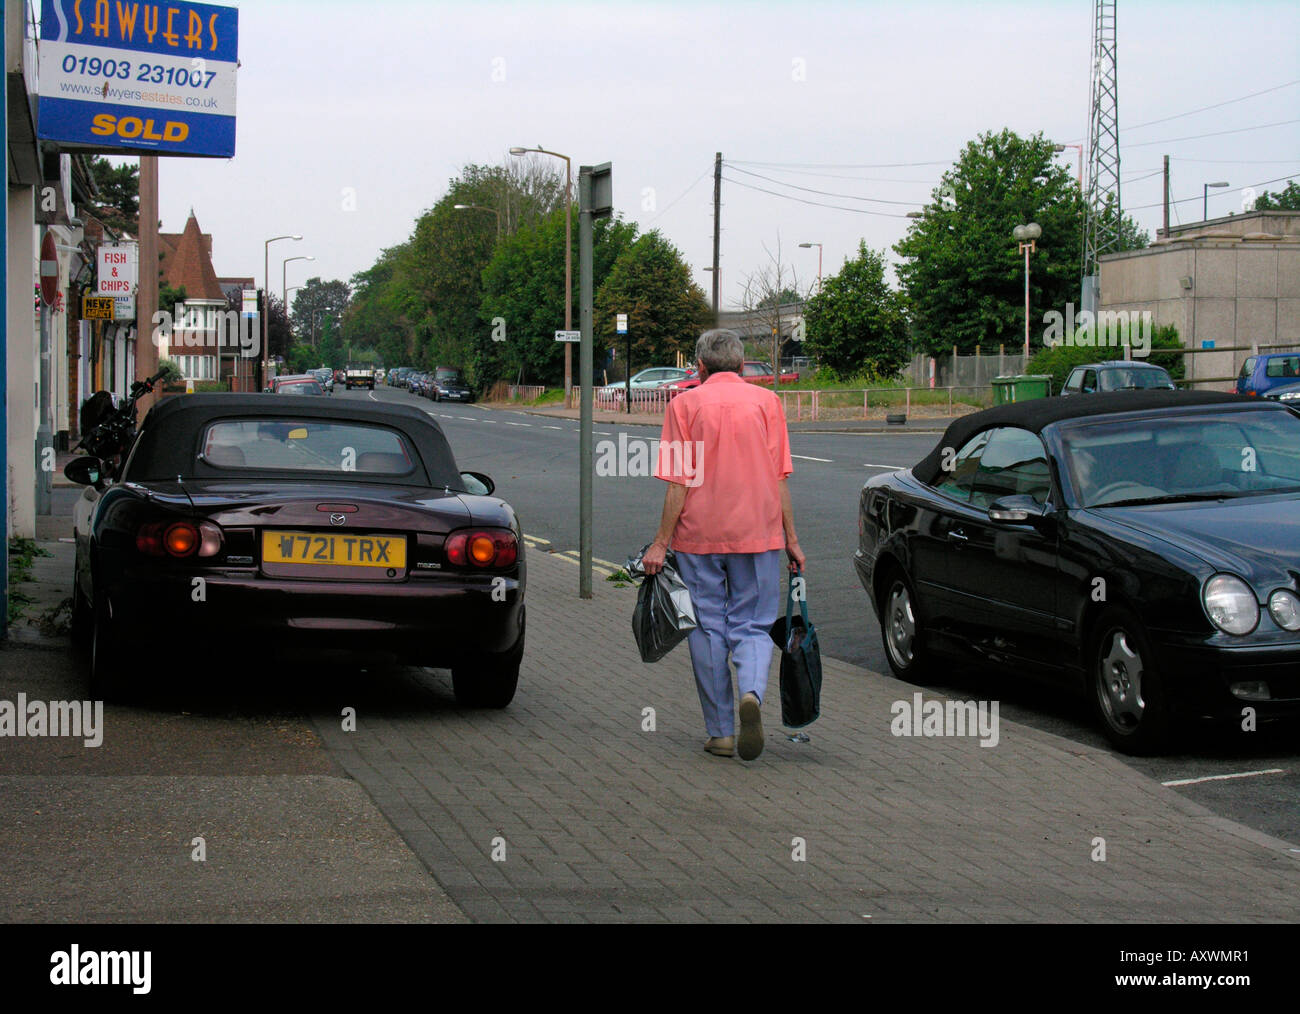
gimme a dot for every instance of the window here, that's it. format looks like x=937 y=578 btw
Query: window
x=957 y=481
x=1075 y=381
x=1014 y=463
x=1089 y=381
x=197 y=367
x=1247 y=368
x=306 y=445
x=1283 y=366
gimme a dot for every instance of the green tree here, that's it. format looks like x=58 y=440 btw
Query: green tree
x=523 y=293
x=316 y=300
x=118 y=206
x=665 y=309
x=962 y=272
x=857 y=321
x=1285 y=200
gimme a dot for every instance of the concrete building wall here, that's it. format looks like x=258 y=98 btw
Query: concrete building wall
x=1239 y=293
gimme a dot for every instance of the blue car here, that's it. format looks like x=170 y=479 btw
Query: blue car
x=1260 y=374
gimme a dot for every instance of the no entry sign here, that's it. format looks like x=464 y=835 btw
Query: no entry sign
x=49 y=269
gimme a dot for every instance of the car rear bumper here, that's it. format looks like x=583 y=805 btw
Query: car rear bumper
x=423 y=621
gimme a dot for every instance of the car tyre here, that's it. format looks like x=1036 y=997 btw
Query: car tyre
x=1124 y=685
x=900 y=628
x=488 y=679
x=107 y=680
x=82 y=617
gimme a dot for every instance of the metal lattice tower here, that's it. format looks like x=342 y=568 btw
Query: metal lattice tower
x=1101 y=224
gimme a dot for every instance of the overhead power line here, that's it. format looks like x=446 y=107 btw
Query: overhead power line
x=1217 y=133
x=815 y=204
x=826 y=193
x=1217 y=105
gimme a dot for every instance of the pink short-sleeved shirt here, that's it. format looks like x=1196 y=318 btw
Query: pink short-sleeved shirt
x=726 y=442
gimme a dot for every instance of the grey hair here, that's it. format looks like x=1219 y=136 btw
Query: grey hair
x=720 y=351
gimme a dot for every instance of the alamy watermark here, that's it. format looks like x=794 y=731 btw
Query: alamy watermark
x=82 y=720
x=919 y=717
x=1115 y=328
x=676 y=460
x=217 y=329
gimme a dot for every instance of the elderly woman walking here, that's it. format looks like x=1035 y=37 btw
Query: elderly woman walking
x=725 y=454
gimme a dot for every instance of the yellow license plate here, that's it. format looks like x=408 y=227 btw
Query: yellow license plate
x=334 y=549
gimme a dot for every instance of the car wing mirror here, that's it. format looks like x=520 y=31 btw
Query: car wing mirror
x=477 y=484
x=1017 y=510
x=85 y=471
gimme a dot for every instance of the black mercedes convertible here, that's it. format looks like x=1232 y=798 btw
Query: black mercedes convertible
x=1143 y=547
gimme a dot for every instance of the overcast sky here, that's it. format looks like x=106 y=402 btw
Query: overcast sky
x=860 y=100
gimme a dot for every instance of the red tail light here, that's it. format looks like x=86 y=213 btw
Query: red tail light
x=483 y=548
x=180 y=539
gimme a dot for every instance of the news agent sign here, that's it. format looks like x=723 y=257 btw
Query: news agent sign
x=116 y=270
x=140 y=78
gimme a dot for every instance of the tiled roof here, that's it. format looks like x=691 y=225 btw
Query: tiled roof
x=187 y=261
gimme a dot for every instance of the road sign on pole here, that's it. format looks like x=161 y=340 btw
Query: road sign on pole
x=568 y=336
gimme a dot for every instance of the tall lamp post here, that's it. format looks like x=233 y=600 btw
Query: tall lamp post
x=266 y=299
x=1062 y=147
x=568 y=260
x=480 y=207
x=1205 y=199
x=1026 y=235
x=807 y=246
x=284 y=278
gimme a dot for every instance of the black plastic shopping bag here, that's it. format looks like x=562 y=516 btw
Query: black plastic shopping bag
x=664 y=614
x=801 y=661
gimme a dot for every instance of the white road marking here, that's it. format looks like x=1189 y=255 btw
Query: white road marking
x=527 y=425
x=467 y=418
x=805 y=457
x=1224 y=778
x=552 y=427
x=891 y=468
x=603 y=433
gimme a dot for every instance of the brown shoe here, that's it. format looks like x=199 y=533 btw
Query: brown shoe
x=751 y=727
x=721 y=746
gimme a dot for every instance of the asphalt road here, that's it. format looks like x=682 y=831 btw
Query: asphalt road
x=534 y=461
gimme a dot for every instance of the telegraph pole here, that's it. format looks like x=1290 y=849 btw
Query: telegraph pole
x=717 y=229
x=1166 y=230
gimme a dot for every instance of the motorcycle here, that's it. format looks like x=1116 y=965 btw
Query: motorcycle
x=108 y=426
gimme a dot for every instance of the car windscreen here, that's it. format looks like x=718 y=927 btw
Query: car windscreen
x=306 y=445
x=300 y=387
x=1133 y=378
x=450 y=375
x=1182 y=458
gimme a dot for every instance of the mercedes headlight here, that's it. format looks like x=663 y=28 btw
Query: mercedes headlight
x=1285 y=607
x=1230 y=603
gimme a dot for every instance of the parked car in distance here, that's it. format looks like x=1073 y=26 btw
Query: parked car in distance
x=1116 y=546
x=1260 y=374
x=1287 y=393
x=296 y=383
x=1117 y=375
x=448 y=384
x=341 y=377
x=751 y=371
x=326 y=377
x=317 y=526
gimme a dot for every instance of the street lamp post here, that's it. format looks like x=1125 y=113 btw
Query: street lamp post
x=1205 y=199
x=568 y=260
x=266 y=299
x=1062 y=147
x=1026 y=235
x=284 y=278
x=480 y=207
x=819 y=261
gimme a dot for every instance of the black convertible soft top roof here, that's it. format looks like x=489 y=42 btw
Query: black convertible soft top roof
x=1038 y=413
x=168 y=443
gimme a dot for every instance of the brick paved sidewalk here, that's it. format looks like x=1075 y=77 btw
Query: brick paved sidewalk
x=600 y=821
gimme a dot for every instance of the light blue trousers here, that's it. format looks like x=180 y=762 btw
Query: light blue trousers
x=736 y=598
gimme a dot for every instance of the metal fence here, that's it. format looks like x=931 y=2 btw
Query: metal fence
x=950 y=369
x=828 y=405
